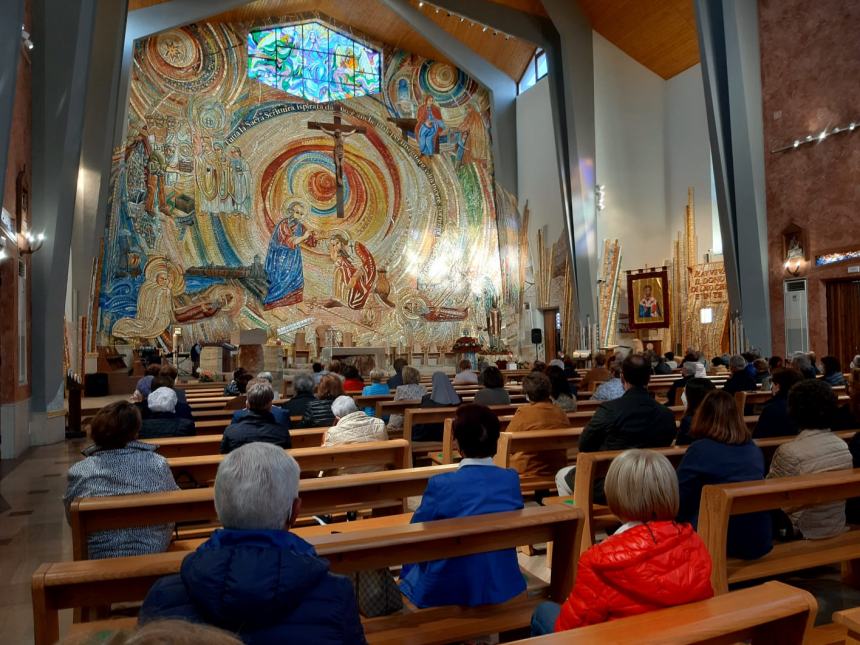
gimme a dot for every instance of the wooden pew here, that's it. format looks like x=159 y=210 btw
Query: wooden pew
x=591 y=466
x=416 y=416
x=769 y=613
x=395 y=452
x=849 y=619
x=57 y=586
x=720 y=502
x=536 y=441
x=336 y=493
x=210 y=444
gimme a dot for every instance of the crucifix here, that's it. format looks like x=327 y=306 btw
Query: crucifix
x=339 y=131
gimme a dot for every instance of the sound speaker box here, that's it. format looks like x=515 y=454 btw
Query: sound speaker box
x=537 y=336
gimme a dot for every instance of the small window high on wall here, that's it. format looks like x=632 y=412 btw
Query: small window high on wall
x=535 y=70
x=314 y=61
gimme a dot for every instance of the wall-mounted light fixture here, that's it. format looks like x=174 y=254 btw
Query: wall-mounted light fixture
x=818 y=137
x=793 y=266
x=26 y=242
x=25 y=39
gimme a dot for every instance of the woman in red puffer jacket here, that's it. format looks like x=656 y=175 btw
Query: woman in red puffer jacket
x=651 y=562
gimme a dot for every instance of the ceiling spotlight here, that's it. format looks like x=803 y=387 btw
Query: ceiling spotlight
x=461 y=19
x=485 y=29
x=851 y=126
x=823 y=135
x=420 y=4
x=796 y=143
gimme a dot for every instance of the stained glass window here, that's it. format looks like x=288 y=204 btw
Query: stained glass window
x=313 y=61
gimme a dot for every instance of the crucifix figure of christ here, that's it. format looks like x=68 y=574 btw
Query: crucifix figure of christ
x=339 y=131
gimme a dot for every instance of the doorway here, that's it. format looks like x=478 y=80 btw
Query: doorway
x=552 y=333
x=843 y=320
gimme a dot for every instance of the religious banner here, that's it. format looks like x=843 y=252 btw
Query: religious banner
x=648 y=298
x=707 y=307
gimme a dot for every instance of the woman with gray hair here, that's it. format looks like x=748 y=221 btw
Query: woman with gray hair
x=254 y=577
x=161 y=420
x=353 y=426
x=411 y=390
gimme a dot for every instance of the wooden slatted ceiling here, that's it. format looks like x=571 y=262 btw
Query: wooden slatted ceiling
x=380 y=24
x=509 y=54
x=659 y=34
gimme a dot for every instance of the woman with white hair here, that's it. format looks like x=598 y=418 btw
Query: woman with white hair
x=353 y=426
x=254 y=577
x=162 y=420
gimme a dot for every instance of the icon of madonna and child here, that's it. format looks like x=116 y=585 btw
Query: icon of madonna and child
x=351 y=285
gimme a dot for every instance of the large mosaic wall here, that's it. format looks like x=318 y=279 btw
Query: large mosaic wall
x=224 y=210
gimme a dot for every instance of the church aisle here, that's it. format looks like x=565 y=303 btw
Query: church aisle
x=33 y=530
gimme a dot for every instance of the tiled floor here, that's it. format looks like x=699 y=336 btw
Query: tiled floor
x=33 y=530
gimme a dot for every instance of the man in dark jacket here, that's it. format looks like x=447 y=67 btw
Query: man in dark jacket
x=688 y=372
x=741 y=380
x=281 y=416
x=635 y=420
x=303 y=389
x=161 y=420
x=258 y=424
x=774 y=420
x=254 y=577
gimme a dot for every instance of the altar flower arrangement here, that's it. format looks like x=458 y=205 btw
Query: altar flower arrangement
x=205 y=376
x=467 y=344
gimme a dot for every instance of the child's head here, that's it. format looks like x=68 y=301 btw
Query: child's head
x=476 y=429
x=642 y=486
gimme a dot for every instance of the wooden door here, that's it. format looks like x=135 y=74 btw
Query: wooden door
x=843 y=320
x=552 y=335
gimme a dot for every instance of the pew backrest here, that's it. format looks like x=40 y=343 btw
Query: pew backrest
x=773 y=612
x=210 y=444
x=720 y=502
x=393 y=453
x=57 y=586
x=319 y=495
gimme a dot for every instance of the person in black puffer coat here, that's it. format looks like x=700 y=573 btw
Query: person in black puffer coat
x=318 y=413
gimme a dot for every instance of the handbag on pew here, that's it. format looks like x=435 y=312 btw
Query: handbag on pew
x=377 y=593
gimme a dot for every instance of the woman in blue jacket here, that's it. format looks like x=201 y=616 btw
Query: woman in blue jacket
x=722 y=452
x=477 y=487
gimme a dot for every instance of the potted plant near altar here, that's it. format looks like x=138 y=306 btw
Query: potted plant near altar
x=205 y=376
x=468 y=347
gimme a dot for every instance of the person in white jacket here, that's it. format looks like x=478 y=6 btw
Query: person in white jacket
x=353 y=426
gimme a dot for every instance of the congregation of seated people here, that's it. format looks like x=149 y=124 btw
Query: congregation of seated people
x=256 y=579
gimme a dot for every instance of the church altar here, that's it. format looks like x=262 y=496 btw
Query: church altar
x=379 y=354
